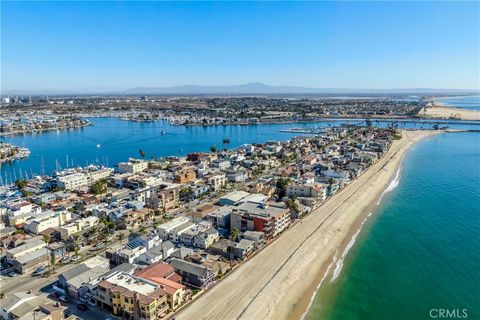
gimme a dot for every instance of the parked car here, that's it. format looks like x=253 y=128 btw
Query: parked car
x=64 y=299
x=39 y=271
x=75 y=258
x=98 y=246
x=13 y=274
x=54 y=295
x=82 y=307
x=65 y=260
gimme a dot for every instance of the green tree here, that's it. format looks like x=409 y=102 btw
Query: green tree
x=234 y=234
x=292 y=204
x=120 y=236
x=142 y=153
x=21 y=184
x=99 y=187
x=331 y=181
x=186 y=192
x=47 y=239
x=281 y=185
x=226 y=141
x=53 y=261
x=76 y=247
x=213 y=148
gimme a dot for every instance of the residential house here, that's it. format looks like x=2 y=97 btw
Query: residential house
x=164 y=275
x=193 y=274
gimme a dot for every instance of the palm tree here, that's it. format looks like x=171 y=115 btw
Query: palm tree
x=234 y=234
x=75 y=244
x=226 y=141
x=47 y=239
x=142 y=153
x=213 y=148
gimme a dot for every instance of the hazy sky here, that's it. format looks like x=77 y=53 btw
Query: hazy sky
x=117 y=45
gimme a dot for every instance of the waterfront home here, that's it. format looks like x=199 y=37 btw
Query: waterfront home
x=193 y=274
x=132 y=166
x=243 y=248
x=223 y=248
x=270 y=219
x=256 y=236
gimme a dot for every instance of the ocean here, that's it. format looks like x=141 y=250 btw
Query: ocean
x=418 y=255
x=470 y=103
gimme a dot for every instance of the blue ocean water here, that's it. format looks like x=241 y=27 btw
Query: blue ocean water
x=470 y=103
x=420 y=251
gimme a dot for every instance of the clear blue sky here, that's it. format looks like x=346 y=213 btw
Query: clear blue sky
x=118 y=45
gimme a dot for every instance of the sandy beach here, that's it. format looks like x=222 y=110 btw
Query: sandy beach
x=440 y=111
x=279 y=282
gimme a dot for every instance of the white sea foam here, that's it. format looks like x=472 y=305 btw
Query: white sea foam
x=339 y=265
x=393 y=184
x=312 y=299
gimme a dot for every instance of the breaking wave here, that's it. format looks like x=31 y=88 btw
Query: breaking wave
x=339 y=265
x=393 y=184
x=312 y=299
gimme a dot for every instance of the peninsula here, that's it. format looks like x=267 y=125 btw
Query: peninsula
x=437 y=110
x=279 y=282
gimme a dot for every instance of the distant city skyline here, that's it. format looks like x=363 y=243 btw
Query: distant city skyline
x=114 y=46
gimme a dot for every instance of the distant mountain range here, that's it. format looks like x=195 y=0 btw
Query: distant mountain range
x=261 y=88
x=253 y=88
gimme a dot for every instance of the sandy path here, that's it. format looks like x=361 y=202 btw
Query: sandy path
x=276 y=282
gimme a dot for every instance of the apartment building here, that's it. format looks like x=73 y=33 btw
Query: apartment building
x=132 y=166
x=269 y=219
x=45 y=220
x=132 y=297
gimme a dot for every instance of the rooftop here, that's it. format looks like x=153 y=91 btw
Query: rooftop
x=132 y=283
